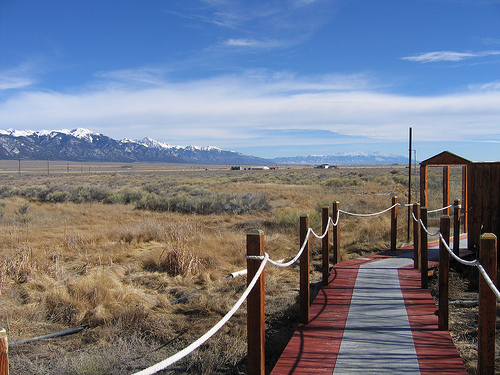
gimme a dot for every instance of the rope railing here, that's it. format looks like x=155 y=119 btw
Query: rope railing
x=264 y=260
x=489 y=294
x=440 y=209
x=189 y=349
x=280 y=263
x=471 y=263
x=372 y=214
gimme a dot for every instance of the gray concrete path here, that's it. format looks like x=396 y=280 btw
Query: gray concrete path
x=377 y=338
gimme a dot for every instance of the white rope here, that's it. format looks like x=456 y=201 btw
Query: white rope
x=374 y=214
x=457 y=258
x=325 y=232
x=296 y=257
x=472 y=263
x=425 y=229
x=189 y=349
x=440 y=209
x=336 y=220
x=488 y=280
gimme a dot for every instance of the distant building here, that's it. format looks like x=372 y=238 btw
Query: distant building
x=324 y=166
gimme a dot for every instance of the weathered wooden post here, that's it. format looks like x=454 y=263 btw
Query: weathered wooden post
x=444 y=270
x=4 y=352
x=416 y=236
x=424 y=250
x=304 y=270
x=255 y=305
x=394 y=223
x=456 y=227
x=487 y=306
x=336 y=233
x=325 y=244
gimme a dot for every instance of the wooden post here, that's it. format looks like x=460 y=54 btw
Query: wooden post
x=4 y=352
x=394 y=223
x=487 y=306
x=444 y=271
x=336 y=233
x=304 y=270
x=416 y=236
x=326 y=244
x=255 y=306
x=424 y=251
x=446 y=188
x=456 y=227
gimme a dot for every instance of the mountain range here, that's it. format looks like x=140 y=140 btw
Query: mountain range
x=87 y=145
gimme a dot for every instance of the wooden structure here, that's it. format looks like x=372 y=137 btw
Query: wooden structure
x=480 y=193
x=484 y=201
x=445 y=159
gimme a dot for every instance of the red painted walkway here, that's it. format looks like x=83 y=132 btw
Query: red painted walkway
x=314 y=347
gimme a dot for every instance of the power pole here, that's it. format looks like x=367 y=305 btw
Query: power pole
x=409 y=185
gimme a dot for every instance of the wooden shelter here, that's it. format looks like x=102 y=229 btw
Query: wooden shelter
x=480 y=193
x=445 y=159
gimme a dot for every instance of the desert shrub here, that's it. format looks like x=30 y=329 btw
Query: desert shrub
x=205 y=202
x=83 y=194
x=6 y=191
x=57 y=197
x=126 y=196
x=152 y=202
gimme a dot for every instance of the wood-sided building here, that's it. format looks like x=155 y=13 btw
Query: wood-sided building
x=480 y=193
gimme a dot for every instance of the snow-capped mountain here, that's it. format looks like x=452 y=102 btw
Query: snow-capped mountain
x=348 y=158
x=87 y=145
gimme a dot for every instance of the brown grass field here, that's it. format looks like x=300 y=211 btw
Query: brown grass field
x=110 y=246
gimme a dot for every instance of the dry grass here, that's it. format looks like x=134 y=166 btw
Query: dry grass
x=116 y=268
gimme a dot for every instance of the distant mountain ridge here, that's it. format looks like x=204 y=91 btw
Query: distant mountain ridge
x=86 y=145
x=347 y=158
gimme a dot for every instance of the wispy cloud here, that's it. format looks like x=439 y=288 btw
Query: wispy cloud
x=490 y=86
x=199 y=18
x=136 y=77
x=260 y=23
x=17 y=78
x=448 y=56
x=252 y=43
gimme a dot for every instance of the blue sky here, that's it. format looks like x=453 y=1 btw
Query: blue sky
x=266 y=78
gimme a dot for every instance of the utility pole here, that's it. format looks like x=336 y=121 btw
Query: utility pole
x=409 y=184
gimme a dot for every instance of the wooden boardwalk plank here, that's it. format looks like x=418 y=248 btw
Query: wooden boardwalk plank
x=314 y=347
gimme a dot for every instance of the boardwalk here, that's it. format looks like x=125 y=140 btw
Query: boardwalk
x=373 y=318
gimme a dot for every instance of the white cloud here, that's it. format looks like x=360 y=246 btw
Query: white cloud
x=448 y=56
x=234 y=111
